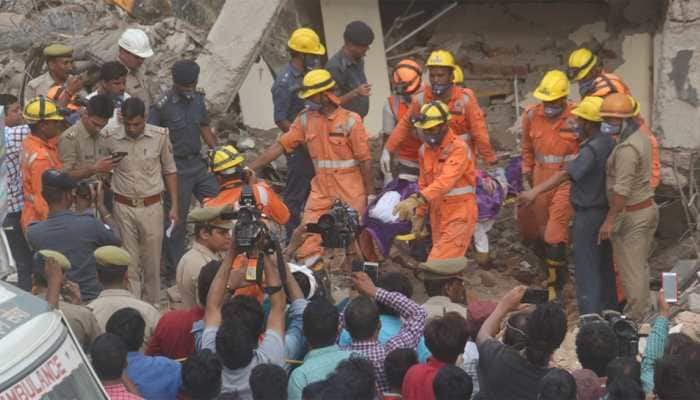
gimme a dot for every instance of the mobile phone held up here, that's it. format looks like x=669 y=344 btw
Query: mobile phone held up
x=669 y=281
x=119 y=154
x=370 y=268
x=535 y=296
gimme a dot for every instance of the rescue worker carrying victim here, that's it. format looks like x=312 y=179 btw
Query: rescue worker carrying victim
x=338 y=145
x=549 y=141
x=467 y=118
x=446 y=184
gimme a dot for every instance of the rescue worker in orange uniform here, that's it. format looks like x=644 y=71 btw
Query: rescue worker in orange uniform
x=39 y=153
x=227 y=165
x=338 y=145
x=406 y=82
x=446 y=183
x=467 y=118
x=549 y=141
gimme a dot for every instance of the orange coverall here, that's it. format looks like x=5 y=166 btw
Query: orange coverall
x=37 y=156
x=337 y=144
x=448 y=181
x=547 y=146
x=272 y=206
x=408 y=150
x=467 y=122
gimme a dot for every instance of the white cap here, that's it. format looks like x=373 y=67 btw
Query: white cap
x=313 y=285
x=136 y=42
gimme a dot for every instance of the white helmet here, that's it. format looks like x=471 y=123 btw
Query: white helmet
x=136 y=42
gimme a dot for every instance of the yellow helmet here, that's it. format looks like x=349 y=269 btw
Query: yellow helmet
x=305 y=40
x=553 y=86
x=589 y=109
x=316 y=81
x=441 y=58
x=458 y=75
x=41 y=109
x=432 y=114
x=581 y=61
x=224 y=158
x=637 y=108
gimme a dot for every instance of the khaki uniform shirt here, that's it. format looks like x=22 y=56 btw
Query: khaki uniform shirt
x=150 y=156
x=38 y=86
x=112 y=300
x=81 y=320
x=437 y=306
x=136 y=86
x=188 y=269
x=629 y=169
x=78 y=148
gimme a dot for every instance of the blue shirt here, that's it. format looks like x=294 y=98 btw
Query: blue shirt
x=76 y=236
x=184 y=119
x=318 y=363
x=390 y=328
x=349 y=74
x=587 y=172
x=285 y=94
x=158 y=378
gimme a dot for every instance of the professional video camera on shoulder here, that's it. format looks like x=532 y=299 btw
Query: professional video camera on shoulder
x=626 y=330
x=337 y=228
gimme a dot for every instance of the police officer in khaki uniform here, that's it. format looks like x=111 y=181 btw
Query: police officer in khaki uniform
x=81 y=147
x=633 y=215
x=80 y=318
x=212 y=237
x=112 y=265
x=138 y=182
x=444 y=285
x=59 y=62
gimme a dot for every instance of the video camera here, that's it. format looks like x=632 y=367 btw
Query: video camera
x=337 y=228
x=626 y=331
x=250 y=231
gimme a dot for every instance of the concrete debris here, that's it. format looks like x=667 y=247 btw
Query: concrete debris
x=246 y=144
x=694 y=302
x=690 y=324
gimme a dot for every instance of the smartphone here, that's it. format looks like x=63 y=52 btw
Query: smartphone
x=119 y=154
x=669 y=281
x=370 y=268
x=535 y=296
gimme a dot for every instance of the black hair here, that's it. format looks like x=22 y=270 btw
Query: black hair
x=201 y=376
x=452 y=383
x=52 y=195
x=397 y=363
x=205 y=279
x=436 y=287
x=557 y=384
x=268 y=382
x=248 y=311
x=676 y=377
x=596 y=346
x=677 y=343
x=128 y=324
x=625 y=388
x=199 y=227
x=7 y=99
x=621 y=367
x=133 y=107
x=314 y=391
x=546 y=328
x=111 y=275
x=235 y=343
x=514 y=335
x=101 y=106
x=353 y=379
x=361 y=318
x=108 y=353
x=446 y=336
x=394 y=282
x=320 y=324
x=112 y=70
x=303 y=282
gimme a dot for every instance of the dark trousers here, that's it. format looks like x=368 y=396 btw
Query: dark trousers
x=193 y=178
x=595 y=276
x=20 y=250
x=300 y=171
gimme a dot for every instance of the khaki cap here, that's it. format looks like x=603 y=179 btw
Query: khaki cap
x=442 y=269
x=58 y=50
x=112 y=256
x=209 y=216
x=59 y=257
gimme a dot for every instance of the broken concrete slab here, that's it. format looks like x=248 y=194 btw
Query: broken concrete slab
x=686 y=270
x=233 y=44
x=255 y=97
x=336 y=15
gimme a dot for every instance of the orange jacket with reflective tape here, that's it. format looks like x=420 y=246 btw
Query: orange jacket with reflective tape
x=37 y=156
x=548 y=144
x=606 y=84
x=411 y=143
x=446 y=170
x=467 y=122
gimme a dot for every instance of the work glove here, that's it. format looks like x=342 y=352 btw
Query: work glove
x=406 y=208
x=385 y=165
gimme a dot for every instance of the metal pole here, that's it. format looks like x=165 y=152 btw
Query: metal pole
x=420 y=28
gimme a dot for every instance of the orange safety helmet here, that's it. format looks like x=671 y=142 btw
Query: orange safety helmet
x=617 y=105
x=406 y=78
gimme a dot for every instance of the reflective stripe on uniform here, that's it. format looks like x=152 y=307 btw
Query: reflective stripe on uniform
x=335 y=163
x=461 y=190
x=551 y=159
x=262 y=195
x=465 y=136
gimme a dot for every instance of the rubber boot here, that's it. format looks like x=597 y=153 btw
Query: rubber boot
x=556 y=270
x=481 y=258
